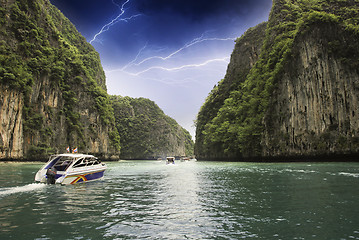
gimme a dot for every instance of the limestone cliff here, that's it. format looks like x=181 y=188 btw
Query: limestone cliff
x=52 y=86
x=146 y=132
x=301 y=96
x=314 y=109
x=245 y=54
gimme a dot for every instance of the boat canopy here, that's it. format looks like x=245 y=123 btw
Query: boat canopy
x=63 y=161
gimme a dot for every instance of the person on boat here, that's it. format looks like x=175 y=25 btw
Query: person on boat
x=51 y=175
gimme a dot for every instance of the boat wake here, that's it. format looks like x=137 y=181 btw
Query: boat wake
x=349 y=174
x=21 y=189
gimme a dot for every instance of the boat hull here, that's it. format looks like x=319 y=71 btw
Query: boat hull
x=81 y=177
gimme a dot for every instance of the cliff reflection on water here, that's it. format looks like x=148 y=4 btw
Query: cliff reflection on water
x=188 y=200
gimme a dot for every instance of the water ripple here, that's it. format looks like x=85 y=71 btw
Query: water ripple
x=149 y=200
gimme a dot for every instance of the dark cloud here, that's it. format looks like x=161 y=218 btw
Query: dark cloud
x=198 y=10
x=169 y=23
x=161 y=16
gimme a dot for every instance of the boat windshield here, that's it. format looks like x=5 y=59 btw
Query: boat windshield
x=63 y=163
x=52 y=161
x=87 y=161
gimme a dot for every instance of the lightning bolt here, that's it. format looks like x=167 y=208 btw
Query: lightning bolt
x=187 y=45
x=117 y=19
x=225 y=59
x=134 y=60
x=142 y=73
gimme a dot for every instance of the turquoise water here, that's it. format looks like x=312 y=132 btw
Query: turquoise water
x=194 y=200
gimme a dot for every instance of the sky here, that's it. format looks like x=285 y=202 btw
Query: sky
x=171 y=51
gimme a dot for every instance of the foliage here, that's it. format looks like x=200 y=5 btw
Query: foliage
x=40 y=151
x=38 y=42
x=146 y=132
x=236 y=128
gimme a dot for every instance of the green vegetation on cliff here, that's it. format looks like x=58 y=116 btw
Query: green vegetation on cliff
x=243 y=58
x=146 y=132
x=57 y=81
x=237 y=128
x=38 y=45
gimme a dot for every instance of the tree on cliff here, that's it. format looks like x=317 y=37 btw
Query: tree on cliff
x=146 y=132
x=278 y=108
x=57 y=81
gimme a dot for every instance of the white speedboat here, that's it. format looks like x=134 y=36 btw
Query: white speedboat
x=70 y=169
x=170 y=160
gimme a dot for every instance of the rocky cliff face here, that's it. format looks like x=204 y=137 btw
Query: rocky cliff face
x=11 y=137
x=314 y=110
x=146 y=132
x=52 y=86
x=300 y=98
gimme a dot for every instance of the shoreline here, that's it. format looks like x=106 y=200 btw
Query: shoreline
x=333 y=157
x=353 y=157
x=292 y=159
x=20 y=162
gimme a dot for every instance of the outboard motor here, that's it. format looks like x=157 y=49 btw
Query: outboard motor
x=51 y=175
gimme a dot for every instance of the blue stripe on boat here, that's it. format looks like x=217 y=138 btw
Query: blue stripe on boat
x=93 y=176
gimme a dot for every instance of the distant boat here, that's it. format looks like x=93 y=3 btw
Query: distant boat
x=70 y=169
x=170 y=160
x=185 y=159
